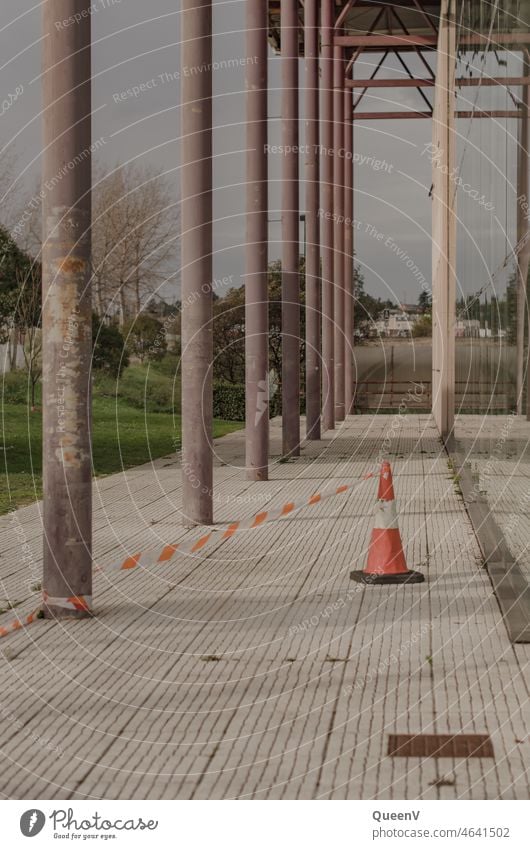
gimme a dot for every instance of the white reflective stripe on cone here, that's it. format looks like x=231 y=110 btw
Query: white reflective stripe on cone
x=386 y=515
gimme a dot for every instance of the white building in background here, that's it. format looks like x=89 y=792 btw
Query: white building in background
x=5 y=358
x=399 y=322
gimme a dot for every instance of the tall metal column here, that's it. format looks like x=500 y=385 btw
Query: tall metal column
x=326 y=124
x=290 y=232
x=67 y=306
x=444 y=226
x=196 y=251
x=256 y=281
x=524 y=253
x=312 y=269
x=338 y=228
x=348 y=251
x=525 y=151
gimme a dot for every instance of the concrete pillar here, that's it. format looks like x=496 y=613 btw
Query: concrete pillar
x=338 y=229
x=348 y=251
x=290 y=233
x=524 y=254
x=256 y=280
x=312 y=271
x=196 y=252
x=444 y=226
x=326 y=220
x=67 y=306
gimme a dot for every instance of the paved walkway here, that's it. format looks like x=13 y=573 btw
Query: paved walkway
x=260 y=670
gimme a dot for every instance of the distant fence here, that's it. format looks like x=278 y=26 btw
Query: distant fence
x=381 y=396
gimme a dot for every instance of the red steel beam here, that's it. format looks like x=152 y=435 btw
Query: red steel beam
x=422 y=82
x=385 y=83
x=375 y=42
x=394 y=116
x=463 y=81
x=371 y=42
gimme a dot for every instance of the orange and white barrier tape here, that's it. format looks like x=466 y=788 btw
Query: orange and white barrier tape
x=152 y=557
x=72 y=603
x=19 y=623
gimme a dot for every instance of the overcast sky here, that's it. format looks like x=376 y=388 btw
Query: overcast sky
x=136 y=42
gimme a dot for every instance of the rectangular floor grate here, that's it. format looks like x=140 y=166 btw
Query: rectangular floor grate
x=440 y=746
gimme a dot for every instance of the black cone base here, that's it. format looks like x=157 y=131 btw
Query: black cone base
x=405 y=578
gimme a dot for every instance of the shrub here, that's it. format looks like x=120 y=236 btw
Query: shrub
x=146 y=338
x=108 y=352
x=229 y=401
x=15 y=387
x=422 y=327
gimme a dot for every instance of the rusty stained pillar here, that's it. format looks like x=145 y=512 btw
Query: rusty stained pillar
x=312 y=271
x=523 y=372
x=256 y=280
x=326 y=216
x=348 y=252
x=525 y=151
x=338 y=229
x=67 y=307
x=196 y=251
x=290 y=232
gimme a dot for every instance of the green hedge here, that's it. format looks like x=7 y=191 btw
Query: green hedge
x=14 y=388
x=229 y=402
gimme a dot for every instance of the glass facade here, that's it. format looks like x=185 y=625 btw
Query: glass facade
x=491 y=187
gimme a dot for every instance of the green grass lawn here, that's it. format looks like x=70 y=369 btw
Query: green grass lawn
x=123 y=436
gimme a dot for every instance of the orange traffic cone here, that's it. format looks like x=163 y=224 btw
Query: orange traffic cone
x=386 y=561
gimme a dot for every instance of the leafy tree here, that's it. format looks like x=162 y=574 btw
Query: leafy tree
x=367 y=308
x=422 y=327
x=425 y=302
x=146 y=338
x=21 y=306
x=229 y=336
x=109 y=353
x=511 y=311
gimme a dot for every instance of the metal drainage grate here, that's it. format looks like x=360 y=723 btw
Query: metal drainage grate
x=440 y=746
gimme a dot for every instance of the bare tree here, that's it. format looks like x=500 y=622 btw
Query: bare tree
x=28 y=321
x=135 y=238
